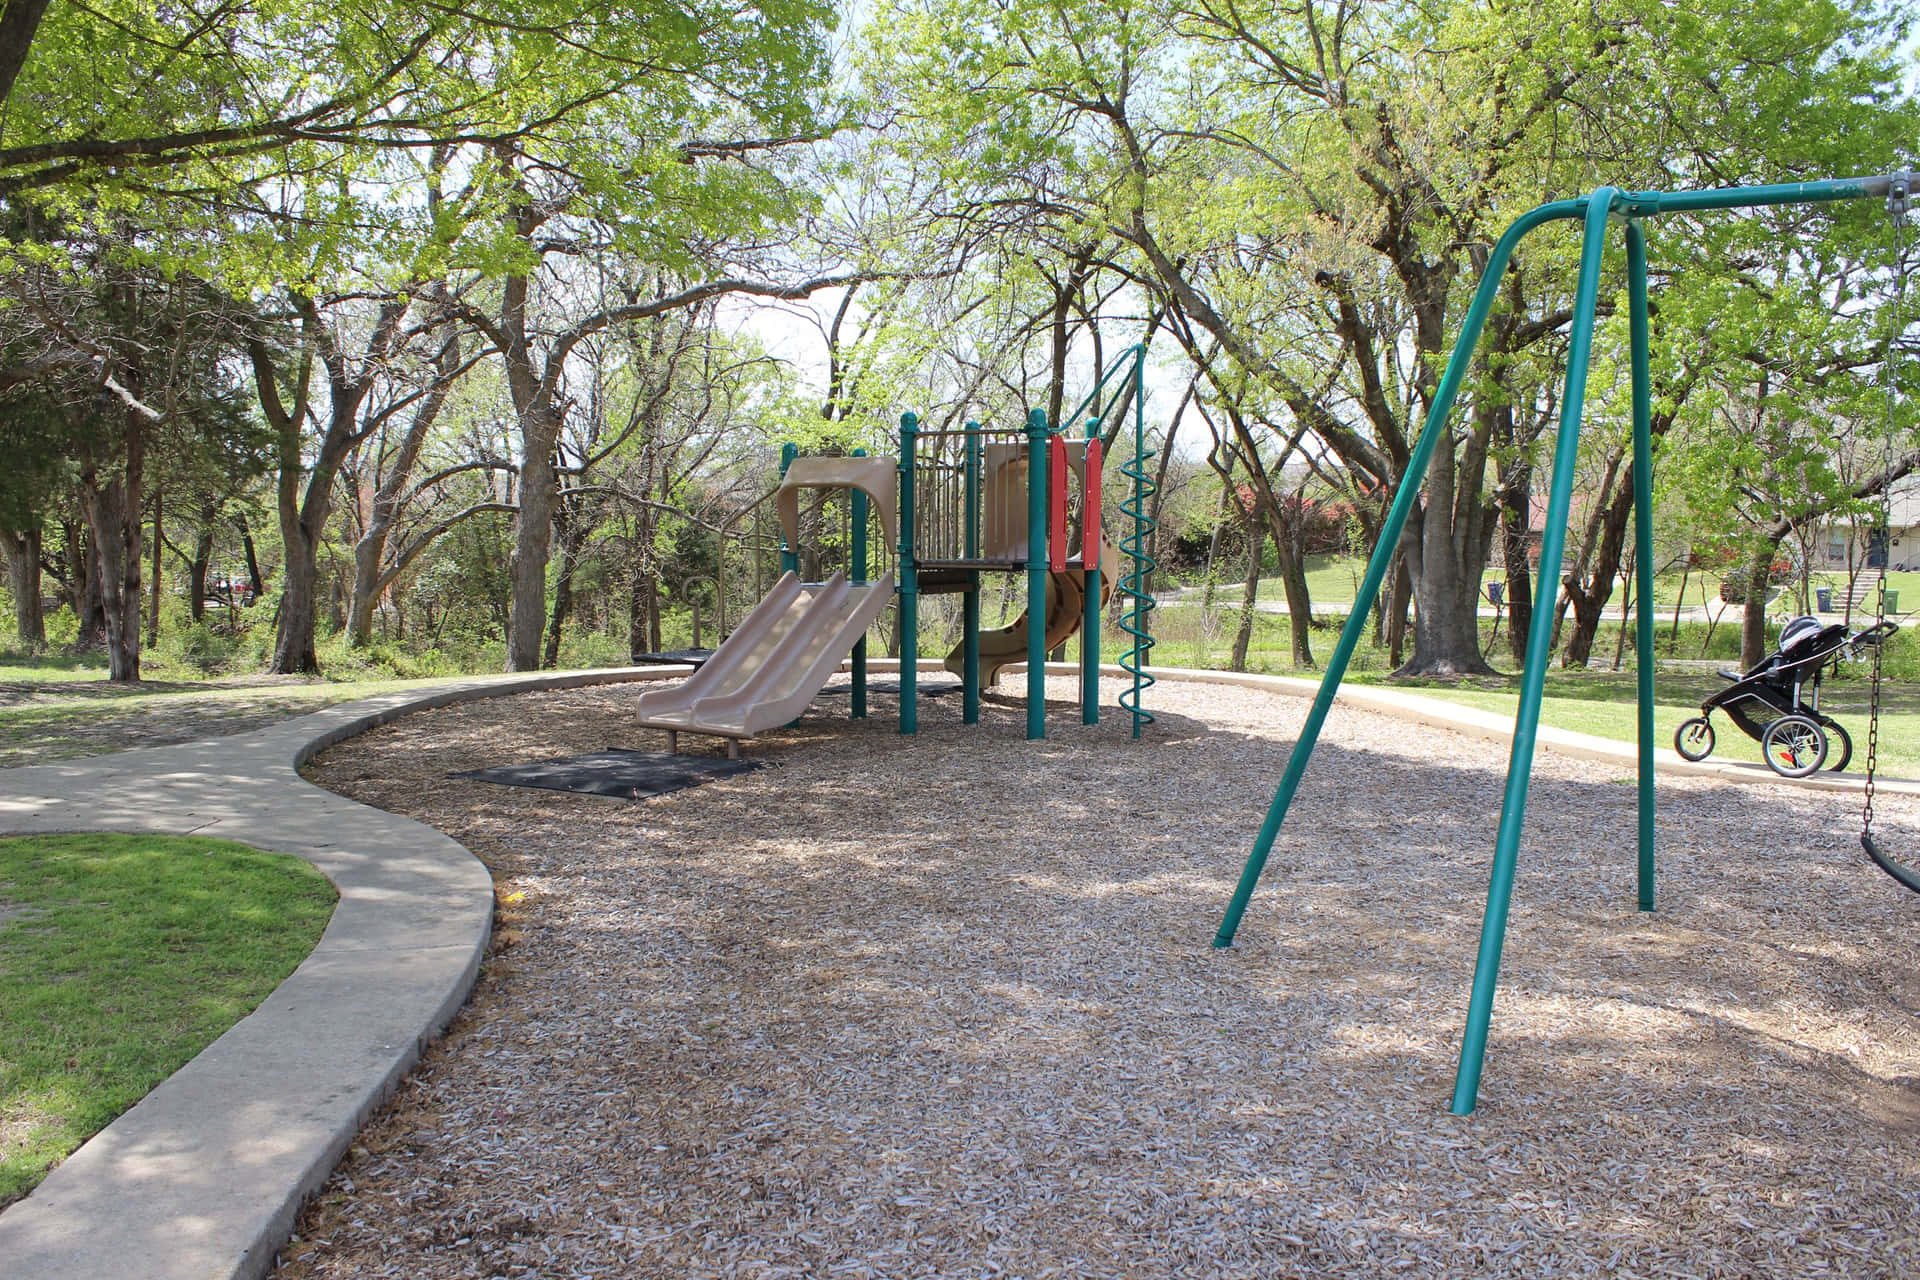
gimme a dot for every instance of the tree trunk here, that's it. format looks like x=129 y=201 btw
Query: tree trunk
x=294 y=651
x=1753 y=621
x=636 y=609
x=565 y=526
x=1516 y=551
x=532 y=545
x=370 y=552
x=153 y=596
x=1589 y=585
x=112 y=509
x=654 y=635
x=303 y=516
x=1679 y=601
x=202 y=561
x=1289 y=544
x=256 y=581
x=1401 y=599
x=1626 y=602
x=293 y=648
x=23 y=579
x=367 y=554
x=83 y=586
x=1445 y=550
x=1249 y=595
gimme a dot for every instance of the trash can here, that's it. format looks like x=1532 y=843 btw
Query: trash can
x=1893 y=600
x=1823 y=599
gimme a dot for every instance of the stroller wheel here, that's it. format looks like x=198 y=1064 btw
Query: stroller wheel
x=1794 y=746
x=1694 y=738
x=1842 y=745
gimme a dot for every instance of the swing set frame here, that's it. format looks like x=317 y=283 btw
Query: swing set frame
x=1595 y=212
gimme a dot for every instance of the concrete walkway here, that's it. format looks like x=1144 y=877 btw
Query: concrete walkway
x=204 y=1177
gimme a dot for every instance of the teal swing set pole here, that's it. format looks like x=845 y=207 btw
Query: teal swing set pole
x=1639 y=342
x=1594 y=210
x=1129 y=362
x=970 y=599
x=859 y=575
x=909 y=583
x=1396 y=520
x=789 y=556
x=1090 y=608
x=1037 y=574
x=1533 y=679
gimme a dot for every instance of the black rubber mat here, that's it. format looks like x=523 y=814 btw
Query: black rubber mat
x=674 y=658
x=889 y=686
x=630 y=775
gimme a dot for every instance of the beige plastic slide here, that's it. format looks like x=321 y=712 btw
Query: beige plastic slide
x=768 y=671
x=1066 y=605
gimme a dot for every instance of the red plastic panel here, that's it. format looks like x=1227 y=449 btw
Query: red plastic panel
x=1057 y=503
x=1090 y=505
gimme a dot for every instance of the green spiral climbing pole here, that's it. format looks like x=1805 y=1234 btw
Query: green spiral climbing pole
x=1133 y=544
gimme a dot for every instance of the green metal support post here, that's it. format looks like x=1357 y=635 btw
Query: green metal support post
x=1639 y=343
x=789 y=556
x=1037 y=574
x=909 y=584
x=1396 y=520
x=1533 y=680
x=1594 y=210
x=859 y=557
x=1090 y=619
x=970 y=601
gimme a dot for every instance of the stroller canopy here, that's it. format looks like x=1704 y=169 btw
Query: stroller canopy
x=1796 y=635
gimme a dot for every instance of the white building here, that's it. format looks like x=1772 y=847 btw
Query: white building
x=1846 y=543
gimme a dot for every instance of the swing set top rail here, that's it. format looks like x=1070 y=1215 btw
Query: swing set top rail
x=1650 y=204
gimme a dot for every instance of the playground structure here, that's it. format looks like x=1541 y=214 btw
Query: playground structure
x=1595 y=212
x=953 y=506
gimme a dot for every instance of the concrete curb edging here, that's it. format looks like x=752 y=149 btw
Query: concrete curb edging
x=204 y=1176
x=1496 y=727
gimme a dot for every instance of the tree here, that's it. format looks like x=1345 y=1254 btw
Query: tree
x=393 y=498
x=341 y=400
x=109 y=361
x=1309 y=194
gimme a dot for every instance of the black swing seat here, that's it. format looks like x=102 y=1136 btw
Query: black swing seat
x=1900 y=871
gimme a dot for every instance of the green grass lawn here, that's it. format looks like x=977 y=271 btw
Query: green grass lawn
x=121 y=957
x=1603 y=703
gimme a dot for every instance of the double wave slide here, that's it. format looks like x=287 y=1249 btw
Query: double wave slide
x=767 y=672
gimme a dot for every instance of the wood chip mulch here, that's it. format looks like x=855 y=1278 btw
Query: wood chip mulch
x=946 y=1006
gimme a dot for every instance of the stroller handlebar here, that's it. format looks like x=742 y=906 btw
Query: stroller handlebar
x=1869 y=638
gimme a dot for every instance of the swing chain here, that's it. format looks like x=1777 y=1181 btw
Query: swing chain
x=1899 y=198
x=1873 y=709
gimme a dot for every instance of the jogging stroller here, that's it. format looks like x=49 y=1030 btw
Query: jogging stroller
x=1777 y=704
